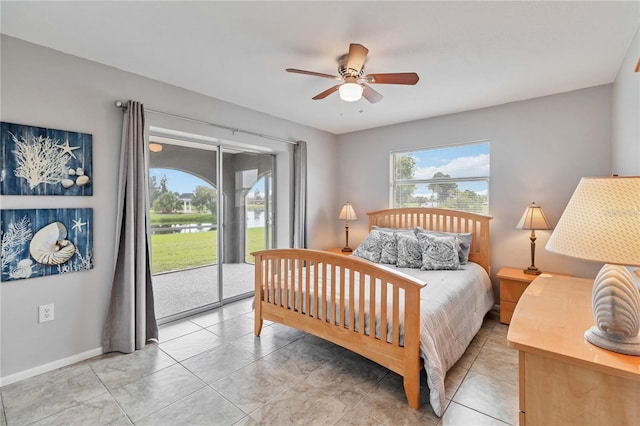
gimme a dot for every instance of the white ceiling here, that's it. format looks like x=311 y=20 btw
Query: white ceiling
x=468 y=54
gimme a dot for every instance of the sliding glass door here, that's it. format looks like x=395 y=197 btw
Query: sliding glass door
x=247 y=212
x=210 y=208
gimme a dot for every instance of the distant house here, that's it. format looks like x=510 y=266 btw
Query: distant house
x=186 y=199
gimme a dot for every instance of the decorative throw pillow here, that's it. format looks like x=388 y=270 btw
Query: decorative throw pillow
x=409 y=252
x=464 y=242
x=389 y=248
x=389 y=244
x=371 y=248
x=439 y=252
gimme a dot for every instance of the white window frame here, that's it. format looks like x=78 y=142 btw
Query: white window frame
x=394 y=184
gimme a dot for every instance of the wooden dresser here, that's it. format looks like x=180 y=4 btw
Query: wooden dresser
x=565 y=380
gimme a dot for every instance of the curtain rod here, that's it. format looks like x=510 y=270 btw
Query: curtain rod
x=123 y=106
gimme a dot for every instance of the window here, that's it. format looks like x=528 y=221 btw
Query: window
x=454 y=177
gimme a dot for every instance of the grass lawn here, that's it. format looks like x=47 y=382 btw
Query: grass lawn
x=172 y=252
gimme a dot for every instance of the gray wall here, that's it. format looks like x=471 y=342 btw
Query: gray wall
x=540 y=149
x=46 y=88
x=626 y=114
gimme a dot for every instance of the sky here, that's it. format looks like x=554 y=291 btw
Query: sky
x=182 y=183
x=178 y=181
x=457 y=161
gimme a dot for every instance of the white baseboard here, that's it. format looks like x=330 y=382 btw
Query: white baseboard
x=16 y=377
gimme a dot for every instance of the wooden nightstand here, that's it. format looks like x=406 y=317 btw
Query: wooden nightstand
x=338 y=250
x=513 y=282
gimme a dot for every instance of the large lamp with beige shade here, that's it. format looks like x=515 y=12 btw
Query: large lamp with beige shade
x=601 y=223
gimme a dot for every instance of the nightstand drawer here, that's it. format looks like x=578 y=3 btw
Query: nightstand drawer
x=511 y=290
x=513 y=282
x=506 y=311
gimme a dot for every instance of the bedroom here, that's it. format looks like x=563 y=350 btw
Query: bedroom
x=540 y=148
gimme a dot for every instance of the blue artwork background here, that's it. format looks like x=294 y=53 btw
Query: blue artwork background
x=12 y=185
x=81 y=235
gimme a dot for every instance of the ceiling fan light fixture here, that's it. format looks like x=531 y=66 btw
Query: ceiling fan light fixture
x=350 y=92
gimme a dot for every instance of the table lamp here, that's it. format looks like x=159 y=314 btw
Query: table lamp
x=347 y=213
x=533 y=218
x=601 y=223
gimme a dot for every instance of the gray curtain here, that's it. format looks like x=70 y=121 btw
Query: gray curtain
x=299 y=233
x=131 y=320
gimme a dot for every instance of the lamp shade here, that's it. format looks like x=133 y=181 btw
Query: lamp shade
x=601 y=223
x=534 y=218
x=347 y=212
x=350 y=92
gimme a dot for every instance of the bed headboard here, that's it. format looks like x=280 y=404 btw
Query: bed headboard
x=444 y=220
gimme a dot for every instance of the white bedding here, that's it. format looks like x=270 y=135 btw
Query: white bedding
x=452 y=304
x=452 y=311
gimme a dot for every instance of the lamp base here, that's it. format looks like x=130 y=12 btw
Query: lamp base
x=616 y=309
x=621 y=345
x=347 y=250
x=532 y=270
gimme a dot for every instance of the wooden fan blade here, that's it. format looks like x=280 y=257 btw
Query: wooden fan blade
x=316 y=74
x=326 y=92
x=370 y=94
x=357 y=56
x=393 y=78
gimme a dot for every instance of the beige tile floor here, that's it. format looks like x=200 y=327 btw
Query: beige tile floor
x=210 y=370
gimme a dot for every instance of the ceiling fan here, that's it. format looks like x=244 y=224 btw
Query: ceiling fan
x=355 y=85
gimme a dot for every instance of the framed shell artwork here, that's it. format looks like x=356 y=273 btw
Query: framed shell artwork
x=40 y=161
x=41 y=242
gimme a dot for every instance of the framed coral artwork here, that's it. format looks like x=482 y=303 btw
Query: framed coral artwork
x=40 y=161
x=41 y=242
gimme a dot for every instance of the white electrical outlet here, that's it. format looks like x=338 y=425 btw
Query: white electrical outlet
x=45 y=313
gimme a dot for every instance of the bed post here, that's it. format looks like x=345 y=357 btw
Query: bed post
x=412 y=362
x=257 y=297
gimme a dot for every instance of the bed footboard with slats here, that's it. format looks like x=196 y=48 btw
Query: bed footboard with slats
x=368 y=309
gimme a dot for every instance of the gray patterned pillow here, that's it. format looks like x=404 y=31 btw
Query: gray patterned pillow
x=409 y=252
x=464 y=242
x=389 y=244
x=389 y=248
x=371 y=248
x=438 y=252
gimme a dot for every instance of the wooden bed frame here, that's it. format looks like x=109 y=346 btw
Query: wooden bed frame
x=277 y=271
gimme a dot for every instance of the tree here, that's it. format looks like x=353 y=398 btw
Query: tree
x=445 y=190
x=167 y=202
x=204 y=197
x=468 y=201
x=405 y=170
x=163 y=184
x=154 y=190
